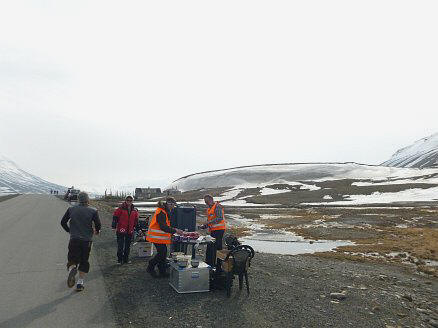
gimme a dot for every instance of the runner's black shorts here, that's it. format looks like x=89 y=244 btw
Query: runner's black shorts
x=79 y=253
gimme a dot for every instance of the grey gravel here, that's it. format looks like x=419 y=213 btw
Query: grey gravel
x=286 y=291
x=338 y=296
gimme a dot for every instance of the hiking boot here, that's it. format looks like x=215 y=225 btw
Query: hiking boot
x=152 y=272
x=72 y=277
x=80 y=287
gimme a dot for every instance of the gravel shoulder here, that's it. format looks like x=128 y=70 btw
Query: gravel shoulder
x=286 y=291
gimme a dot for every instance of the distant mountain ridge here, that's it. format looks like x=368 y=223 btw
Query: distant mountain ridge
x=421 y=154
x=15 y=180
x=293 y=173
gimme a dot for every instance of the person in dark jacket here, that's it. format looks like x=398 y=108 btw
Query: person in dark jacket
x=78 y=222
x=125 y=220
x=160 y=234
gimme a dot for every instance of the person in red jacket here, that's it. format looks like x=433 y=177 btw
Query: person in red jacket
x=125 y=220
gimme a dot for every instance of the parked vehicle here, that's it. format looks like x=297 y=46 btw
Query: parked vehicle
x=73 y=197
x=72 y=194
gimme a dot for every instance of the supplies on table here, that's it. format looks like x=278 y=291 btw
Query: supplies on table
x=175 y=255
x=186 y=237
x=183 y=260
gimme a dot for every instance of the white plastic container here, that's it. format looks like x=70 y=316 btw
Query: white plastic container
x=145 y=249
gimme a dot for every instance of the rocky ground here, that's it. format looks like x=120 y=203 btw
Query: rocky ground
x=286 y=291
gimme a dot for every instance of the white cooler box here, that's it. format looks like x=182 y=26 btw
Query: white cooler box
x=145 y=249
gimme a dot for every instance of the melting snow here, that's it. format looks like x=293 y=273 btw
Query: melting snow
x=269 y=191
x=410 y=195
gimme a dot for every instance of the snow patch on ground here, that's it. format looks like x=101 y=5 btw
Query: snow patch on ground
x=228 y=198
x=232 y=193
x=410 y=195
x=243 y=202
x=396 y=182
x=269 y=191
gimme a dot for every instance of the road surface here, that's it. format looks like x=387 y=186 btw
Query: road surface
x=33 y=288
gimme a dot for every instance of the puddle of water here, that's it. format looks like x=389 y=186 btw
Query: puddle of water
x=431 y=263
x=290 y=244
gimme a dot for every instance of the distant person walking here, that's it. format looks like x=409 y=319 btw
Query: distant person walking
x=125 y=220
x=78 y=221
x=216 y=227
x=160 y=234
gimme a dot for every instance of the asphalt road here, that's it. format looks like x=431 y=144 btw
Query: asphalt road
x=33 y=288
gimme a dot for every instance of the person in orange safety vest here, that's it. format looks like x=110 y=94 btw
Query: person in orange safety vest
x=160 y=234
x=216 y=227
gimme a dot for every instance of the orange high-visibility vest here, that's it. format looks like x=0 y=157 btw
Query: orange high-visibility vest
x=211 y=215
x=155 y=234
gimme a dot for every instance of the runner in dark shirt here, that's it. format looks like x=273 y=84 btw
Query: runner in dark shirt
x=78 y=222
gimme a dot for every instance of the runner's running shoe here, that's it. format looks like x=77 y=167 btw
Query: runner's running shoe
x=72 y=277
x=79 y=287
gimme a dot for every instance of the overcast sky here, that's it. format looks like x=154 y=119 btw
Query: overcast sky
x=111 y=93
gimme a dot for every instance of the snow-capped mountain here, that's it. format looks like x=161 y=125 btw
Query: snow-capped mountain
x=293 y=174
x=14 y=180
x=312 y=184
x=421 y=154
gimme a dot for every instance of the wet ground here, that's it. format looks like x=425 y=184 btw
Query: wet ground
x=355 y=232
x=346 y=232
x=380 y=279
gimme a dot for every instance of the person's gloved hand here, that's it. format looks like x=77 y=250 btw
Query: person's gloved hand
x=203 y=226
x=179 y=232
